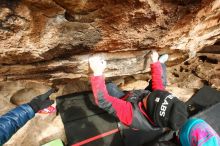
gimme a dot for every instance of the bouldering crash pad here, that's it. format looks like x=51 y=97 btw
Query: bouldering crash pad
x=85 y=123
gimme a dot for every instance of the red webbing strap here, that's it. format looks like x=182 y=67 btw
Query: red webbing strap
x=96 y=137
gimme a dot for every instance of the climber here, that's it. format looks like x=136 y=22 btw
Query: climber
x=17 y=117
x=140 y=107
x=148 y=109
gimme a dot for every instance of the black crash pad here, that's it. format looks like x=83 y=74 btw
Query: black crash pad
x=203 y=99
x=205 y=104
x=84 y=121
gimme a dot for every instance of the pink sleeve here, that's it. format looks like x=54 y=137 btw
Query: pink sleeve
x=123 y=108
x=156 y=73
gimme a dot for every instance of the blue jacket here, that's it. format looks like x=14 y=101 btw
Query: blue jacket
x=13 y=120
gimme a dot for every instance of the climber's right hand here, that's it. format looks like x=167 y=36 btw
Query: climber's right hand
x=97 y=64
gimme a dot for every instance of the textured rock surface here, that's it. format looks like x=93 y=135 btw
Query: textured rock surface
x=120 y=63
x=33 y=31
x=42 y=40
x=48 y=42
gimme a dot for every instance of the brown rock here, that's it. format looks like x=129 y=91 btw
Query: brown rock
x=47 y=43
x=37 y=31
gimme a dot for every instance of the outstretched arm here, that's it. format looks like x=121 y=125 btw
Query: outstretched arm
x=120 y=108
x=12 y=121
x=156 y=72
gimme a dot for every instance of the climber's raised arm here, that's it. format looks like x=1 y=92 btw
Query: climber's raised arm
x=120 y=108
x=156 y=72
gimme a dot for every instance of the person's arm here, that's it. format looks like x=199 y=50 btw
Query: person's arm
x=156 y=72
x=120 y=108
x=14 y=120
x=19 y=116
